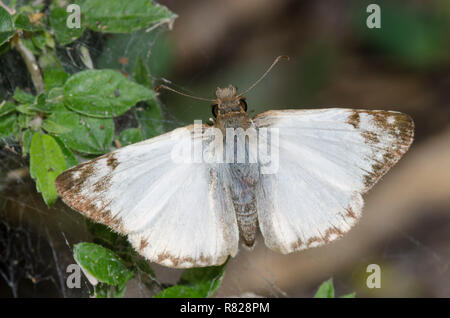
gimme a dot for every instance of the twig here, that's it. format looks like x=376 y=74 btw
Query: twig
x=32 y=65
x=10 y=11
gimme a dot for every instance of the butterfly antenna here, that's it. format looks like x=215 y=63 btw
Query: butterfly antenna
x=183 y=94
x=278 y=59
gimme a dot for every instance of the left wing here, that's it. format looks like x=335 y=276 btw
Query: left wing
x=177 y=214
x=327 y=159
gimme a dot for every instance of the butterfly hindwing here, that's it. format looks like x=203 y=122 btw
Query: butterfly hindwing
x=327 y=159
x=176 y=214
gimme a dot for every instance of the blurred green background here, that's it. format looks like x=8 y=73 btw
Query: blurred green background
x=336 y=61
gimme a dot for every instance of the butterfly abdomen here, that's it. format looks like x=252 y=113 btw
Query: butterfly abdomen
x=243 y=193
x=247 y=220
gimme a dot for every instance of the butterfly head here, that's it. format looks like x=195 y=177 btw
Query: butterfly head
x=228 y=101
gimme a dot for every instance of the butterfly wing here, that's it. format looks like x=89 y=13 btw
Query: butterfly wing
x=175 y=213
x=327 y=159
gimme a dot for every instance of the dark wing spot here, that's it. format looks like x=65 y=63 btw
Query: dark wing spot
x=112 y=161
x=97 y=211
x=103 y=184
x=354 y=119
x=177 y=261
x=297 y=244
x=143 y=244
x=370 y=137
x=401 y=128
x=74 y=178
x=350 y=213
x=314 y=239
x=332 y=231
x=71 y=186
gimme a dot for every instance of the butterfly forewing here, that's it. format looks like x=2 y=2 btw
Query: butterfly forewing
x=327 y=159
x=176 y=214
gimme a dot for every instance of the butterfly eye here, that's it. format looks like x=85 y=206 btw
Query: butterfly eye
x=215 y=110
x=243 y=103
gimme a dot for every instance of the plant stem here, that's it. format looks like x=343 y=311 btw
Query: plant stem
x=10 y=11
x=32 y=66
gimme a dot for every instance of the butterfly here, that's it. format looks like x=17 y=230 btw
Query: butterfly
x=193 y=214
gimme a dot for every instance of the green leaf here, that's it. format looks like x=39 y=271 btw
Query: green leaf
x=150 y=119
x=130 y=136
x=47 y=103
x=30 y=45
x=49 y=41
x=49 y=60
x=54 y=77
x=118 y=16
x=63 y=34
x=102 y=291
x=208 y=279
x=56 y=94
x=23 y=121
x=102 y=263
x=351 y=295
x=26 y=109
x=22 y=97
x=6 y=26
x=52 y=101
x=326 y=290
x=54 y=128
x=103 y=93
x=46 y=163
x=196 y=283
x=119 y=292
x=6 y=108
x=70 y=158
x=29 y=9
x=8 y=125
x=39 y=40
x=180 y=291
x=41 y=105
x=81 y=133
x=27 y=136
x=23 y=22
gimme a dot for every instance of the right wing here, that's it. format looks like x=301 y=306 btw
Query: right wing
x=327 y=159
x=175 y=214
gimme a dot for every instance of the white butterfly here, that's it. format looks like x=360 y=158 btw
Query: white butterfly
x=193 y=214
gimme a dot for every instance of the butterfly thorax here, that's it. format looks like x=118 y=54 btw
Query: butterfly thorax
x=230 y=112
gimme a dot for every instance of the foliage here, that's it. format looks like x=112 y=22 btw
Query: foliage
x=326 y=290
x=196 y=283
x=73 y=116
x=46 y=164
x=101 y=263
